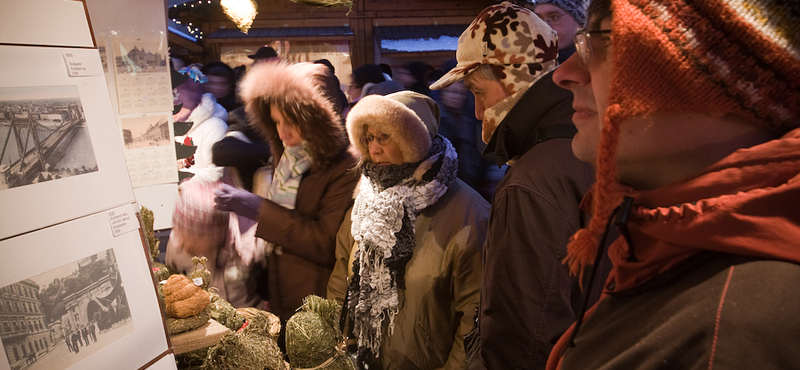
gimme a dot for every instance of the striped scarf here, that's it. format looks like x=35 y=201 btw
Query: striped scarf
x=295 y=161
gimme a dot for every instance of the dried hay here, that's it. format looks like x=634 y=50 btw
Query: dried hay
x=313 y=338
x=253 y=348
x=176 y=326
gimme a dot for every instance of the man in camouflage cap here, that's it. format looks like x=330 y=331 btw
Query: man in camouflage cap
x=506 y=58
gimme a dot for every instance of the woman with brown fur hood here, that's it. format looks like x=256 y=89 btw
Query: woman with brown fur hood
x=312 y=183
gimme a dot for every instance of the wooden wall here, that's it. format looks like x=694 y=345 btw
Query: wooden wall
x=362 y=18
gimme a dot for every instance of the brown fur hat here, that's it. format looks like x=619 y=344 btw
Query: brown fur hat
x=412 y=120
x=298 y=94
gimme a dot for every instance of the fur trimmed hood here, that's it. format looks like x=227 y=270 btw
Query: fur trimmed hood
x=297 y=93
x=412 y=120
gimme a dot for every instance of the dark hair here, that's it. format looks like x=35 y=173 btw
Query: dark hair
x=368 y=73
x=386 y=69
x=598 y=11
x=218 y=69
x=419 y=70
x=326 y=63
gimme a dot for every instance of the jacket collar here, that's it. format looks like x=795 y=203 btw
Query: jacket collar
x=740 y=205
x=543 y=104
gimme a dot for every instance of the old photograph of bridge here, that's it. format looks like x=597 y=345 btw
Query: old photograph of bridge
x=58 y=318
x=43 y=135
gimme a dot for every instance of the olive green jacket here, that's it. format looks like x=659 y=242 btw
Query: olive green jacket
x=443 y=281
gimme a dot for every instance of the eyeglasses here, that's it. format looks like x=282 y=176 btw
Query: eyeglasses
x=553 y=18
x=382 y=139
x=583 y=43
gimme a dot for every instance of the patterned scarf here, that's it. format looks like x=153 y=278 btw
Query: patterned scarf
x=388 y=202
x=295 y=161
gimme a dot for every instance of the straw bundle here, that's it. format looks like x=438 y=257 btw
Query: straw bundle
x=224 y=313
x=253 y=348
x=313 y=338
x=176 y=325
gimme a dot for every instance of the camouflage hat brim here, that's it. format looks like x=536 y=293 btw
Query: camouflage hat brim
x=456 y=74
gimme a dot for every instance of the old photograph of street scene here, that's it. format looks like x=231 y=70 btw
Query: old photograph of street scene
x=147 y=131
x=56 y=319
x=43 y=135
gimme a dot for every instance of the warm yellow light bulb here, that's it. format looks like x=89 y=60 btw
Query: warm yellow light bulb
x=241 y=12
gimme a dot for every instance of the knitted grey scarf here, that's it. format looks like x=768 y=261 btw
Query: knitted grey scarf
x=388 y=202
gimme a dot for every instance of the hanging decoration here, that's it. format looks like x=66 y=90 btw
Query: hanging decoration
x=241 y=12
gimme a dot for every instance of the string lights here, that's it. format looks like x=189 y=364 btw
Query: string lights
x=190 y=28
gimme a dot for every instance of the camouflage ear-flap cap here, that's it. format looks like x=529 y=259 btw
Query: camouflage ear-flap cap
x=506 y=35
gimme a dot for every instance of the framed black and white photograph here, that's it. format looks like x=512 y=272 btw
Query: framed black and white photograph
x=43 y=135
x=60 y=143
x=59 y=317
x=75 y=296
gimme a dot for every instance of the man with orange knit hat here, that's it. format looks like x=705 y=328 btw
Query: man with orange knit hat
x=691 y=111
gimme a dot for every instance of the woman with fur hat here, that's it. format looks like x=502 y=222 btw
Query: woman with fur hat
x=410 y=247
x=312 y=183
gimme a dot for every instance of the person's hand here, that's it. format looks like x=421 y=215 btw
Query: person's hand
x=241 y=202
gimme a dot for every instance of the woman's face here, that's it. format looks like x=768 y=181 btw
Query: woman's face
x=287 y=130
x=383 y=150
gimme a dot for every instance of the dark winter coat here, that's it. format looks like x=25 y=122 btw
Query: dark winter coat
x=527 y=296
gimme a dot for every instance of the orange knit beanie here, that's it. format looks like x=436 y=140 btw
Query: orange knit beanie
x=737 y=57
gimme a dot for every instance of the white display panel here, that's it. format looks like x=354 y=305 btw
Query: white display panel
x=59 y=139
x=44 y=22
x=79 y=275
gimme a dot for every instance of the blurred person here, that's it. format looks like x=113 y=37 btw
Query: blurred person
x=222 y=83
x=528 y=299
x=310 y=187
x=208 y=120
x=414 y=76
x=331 y=85
x=243 y=149
x=371 y=78
x=368 y=73
x=691 y=111
x=410 y=247
x=238 y=72
x=460 y=126
x=566 y=17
